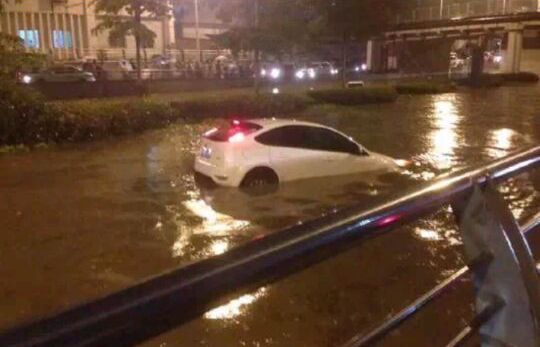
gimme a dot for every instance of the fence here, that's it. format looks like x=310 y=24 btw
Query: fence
x=505 y=277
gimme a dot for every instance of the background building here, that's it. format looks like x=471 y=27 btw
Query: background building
x=427 y=10
x=195 y=22
x=440 y=36
x=63 y=29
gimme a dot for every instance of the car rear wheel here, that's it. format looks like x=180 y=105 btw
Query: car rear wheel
x=260 y=181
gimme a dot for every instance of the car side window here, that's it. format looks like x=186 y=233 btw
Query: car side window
x=327 y=140
x=287 y=136
x=306 y=137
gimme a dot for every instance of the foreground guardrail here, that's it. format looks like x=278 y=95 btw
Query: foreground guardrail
x=508 y=290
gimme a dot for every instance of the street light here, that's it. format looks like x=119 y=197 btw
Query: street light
x=197 y=37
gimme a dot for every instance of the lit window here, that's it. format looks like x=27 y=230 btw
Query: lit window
x=30 y=38
x=62 y=39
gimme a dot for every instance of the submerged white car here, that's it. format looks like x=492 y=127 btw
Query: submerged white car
x=268 y=151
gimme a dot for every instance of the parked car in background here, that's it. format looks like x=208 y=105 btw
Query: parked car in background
x=271 y=71
x=269 y=151
x=323 y=69
x=60 y=73
x=117 y=69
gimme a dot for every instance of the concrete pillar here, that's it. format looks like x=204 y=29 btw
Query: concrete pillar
x=369 y=60
x=80 y=43
x=89 y=23
x=165 y=34
x=512 y=59
x=8 y=22
x=41 y=33
x=73 y=38
x=49 y=33
x=16 y=22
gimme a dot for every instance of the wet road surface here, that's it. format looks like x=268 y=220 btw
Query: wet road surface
x=81 y=221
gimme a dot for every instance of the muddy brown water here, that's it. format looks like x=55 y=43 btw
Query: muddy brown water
x=80 y=221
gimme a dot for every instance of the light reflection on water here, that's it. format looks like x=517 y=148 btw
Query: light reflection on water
x=235 y=307
x=212 y=223
x=444 y=139
x=500 y=142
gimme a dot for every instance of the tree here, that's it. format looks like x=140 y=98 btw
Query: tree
x=274 y=27
x=124 y=18
x=354 y=20
x=287 y=26
x=13 y=54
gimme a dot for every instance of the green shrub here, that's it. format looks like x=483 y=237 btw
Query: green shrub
x=357 y=96
x=24 y=115
x=87 y=120
x=520 y=77
x=248 y=106
x=25 y=118
x=424 y=88
x=483 y=81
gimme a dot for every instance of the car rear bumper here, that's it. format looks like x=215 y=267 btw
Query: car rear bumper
x=221 y=176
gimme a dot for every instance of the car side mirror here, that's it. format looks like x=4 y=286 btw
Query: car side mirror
x=362 y=152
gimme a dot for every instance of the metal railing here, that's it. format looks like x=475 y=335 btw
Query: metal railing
x=507 y=287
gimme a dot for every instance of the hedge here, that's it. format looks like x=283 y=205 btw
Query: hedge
x=25 y=117
x=424 y=88
x=246 y=106
x=520 y=77
x=356 y=96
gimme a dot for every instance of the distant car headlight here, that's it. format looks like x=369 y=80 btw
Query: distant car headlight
x=300 y=74
x=364 y=67
x=497 y=59
x=312 y=74
x=275 y=73
x=334 y=71
x=263 y=72
x=26 y=79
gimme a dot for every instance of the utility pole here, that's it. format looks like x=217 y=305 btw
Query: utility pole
x=257 y=67
x=197 y=36
x=442 y=8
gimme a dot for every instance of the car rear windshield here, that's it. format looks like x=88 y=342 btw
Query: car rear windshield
x=224 y=133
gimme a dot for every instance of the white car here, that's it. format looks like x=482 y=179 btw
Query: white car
x=268 y=151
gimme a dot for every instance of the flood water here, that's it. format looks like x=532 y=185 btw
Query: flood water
x=80 y=221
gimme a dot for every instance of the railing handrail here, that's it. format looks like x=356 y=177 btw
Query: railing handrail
x=161 y=303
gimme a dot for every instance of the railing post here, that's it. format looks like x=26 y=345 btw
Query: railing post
x=488 y=227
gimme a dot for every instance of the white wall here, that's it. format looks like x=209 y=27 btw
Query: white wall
x=530 y=60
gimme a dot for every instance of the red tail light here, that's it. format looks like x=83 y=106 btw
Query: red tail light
x=236 y=132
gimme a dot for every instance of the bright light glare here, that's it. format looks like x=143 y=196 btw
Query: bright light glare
x=263 y=72
x=275 y=73
x=210 y=132
x=357 y=68
x=27 y=79
x=312 y=74
x=275 y=91
x=334 y=71
x=236 y=138
x=364 y=67
x=236 y=307
x=300 y=74
x=497 y=59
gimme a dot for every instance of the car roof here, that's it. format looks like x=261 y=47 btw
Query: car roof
x=271 y=123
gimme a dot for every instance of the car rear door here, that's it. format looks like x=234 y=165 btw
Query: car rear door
x=291 y=153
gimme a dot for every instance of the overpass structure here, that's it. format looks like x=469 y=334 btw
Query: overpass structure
x=511 y=42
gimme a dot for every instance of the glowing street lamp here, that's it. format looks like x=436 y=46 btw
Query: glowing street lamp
x=197 y=36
